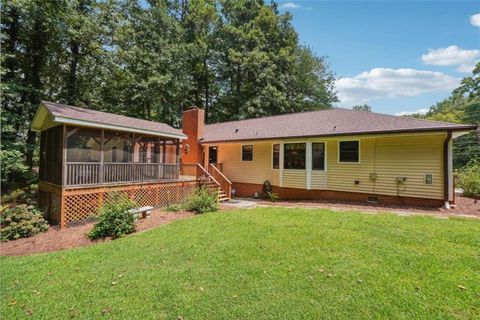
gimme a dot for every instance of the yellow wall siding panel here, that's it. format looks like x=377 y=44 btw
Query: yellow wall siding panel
x=294 y=178
x=318 y=180
x=257 y=171
x=390 y=157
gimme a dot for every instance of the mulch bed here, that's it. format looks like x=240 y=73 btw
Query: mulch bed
x=55 y=239
x=463 y=206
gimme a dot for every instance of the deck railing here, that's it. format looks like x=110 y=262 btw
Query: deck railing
x=87 y=173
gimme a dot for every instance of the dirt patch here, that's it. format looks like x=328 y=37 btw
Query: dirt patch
x=463 y=206
x=55 y=239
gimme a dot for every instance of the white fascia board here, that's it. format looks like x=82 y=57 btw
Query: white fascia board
x=115 y=127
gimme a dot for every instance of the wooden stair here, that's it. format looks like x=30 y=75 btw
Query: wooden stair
x=214 y=180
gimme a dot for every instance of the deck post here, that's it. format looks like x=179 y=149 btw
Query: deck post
x=102 y=157
x=62 y=209
x=134 y=142
x=64 y=156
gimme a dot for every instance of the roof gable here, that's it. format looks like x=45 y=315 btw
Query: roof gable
x=50 y=114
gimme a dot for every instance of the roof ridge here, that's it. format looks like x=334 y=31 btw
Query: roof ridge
x=274 y=116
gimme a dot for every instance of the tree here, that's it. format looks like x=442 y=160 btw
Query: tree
x=364 y=107
x=463 y=106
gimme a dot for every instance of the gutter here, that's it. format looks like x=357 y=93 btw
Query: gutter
x=446 y=175
x=327 y=135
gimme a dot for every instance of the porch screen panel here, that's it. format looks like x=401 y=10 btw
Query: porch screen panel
x=83 y=144
x=52 y=145
x=117 y=147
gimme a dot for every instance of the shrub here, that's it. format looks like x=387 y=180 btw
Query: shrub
x=469 y=179
x=27 y=195
x=13 y=167
x=202 y=200
x=273 y=196
x=267 y=189
x=21 y=222
x=114 y=220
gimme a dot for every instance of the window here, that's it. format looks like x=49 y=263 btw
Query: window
x=318 y=156
x=349 y=151
x=294 y=156
x=247 y=152
x=276 y=156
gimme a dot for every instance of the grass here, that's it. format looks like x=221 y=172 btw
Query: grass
x=266 y=263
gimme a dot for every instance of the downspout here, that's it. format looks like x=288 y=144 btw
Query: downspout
x=446 y=176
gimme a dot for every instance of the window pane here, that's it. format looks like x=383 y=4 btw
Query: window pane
x=349 y=151
x=318 y=156
x=117 y=147
x=83 y=144
x=294 y=156
x=276 y=156
x=247 y=153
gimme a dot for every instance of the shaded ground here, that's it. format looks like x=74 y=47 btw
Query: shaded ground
x=55 y=239
x=463 y=207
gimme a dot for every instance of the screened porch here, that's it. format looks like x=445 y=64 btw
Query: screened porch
x=81 y=156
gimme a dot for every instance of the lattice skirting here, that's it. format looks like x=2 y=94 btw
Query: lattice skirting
x=72 y=206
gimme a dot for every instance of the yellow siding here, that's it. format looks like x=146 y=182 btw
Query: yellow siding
x=410 y=156
x=390 y=157
x=257 y=171
x=294 y=178
x=318 y=180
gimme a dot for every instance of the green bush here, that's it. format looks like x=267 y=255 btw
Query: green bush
x=469 y=179
x=273 y=196
x=114 y=220
x=13 y=167
x=27 y=195
x=202 y=200
x=21 y=222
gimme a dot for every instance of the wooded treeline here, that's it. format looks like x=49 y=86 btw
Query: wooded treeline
x=152 y=59
x=463 y=106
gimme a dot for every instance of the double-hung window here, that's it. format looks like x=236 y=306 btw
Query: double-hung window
x=247 y=152
x=349 y=151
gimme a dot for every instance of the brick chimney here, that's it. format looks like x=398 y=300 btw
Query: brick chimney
x=193 y=122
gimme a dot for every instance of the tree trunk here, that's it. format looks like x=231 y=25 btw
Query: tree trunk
x=72 y=76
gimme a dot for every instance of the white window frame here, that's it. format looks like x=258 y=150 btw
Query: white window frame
x=359 y=151
x=253 y=152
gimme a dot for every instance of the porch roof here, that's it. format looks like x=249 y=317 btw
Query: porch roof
x=50 y=114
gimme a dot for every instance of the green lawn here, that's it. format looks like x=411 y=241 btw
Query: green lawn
x=267 y=263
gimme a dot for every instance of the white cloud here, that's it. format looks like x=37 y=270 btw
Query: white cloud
x=387 y=83
x=452 y=56
x=475 y=20
x=290 y=5
x=408 y=113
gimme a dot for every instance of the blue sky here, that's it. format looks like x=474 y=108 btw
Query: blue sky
x=397 y=56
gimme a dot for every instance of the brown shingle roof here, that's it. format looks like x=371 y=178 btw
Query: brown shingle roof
x=63 y=113
x=332 y=122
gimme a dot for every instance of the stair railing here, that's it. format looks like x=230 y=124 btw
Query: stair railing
x=225 y=184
